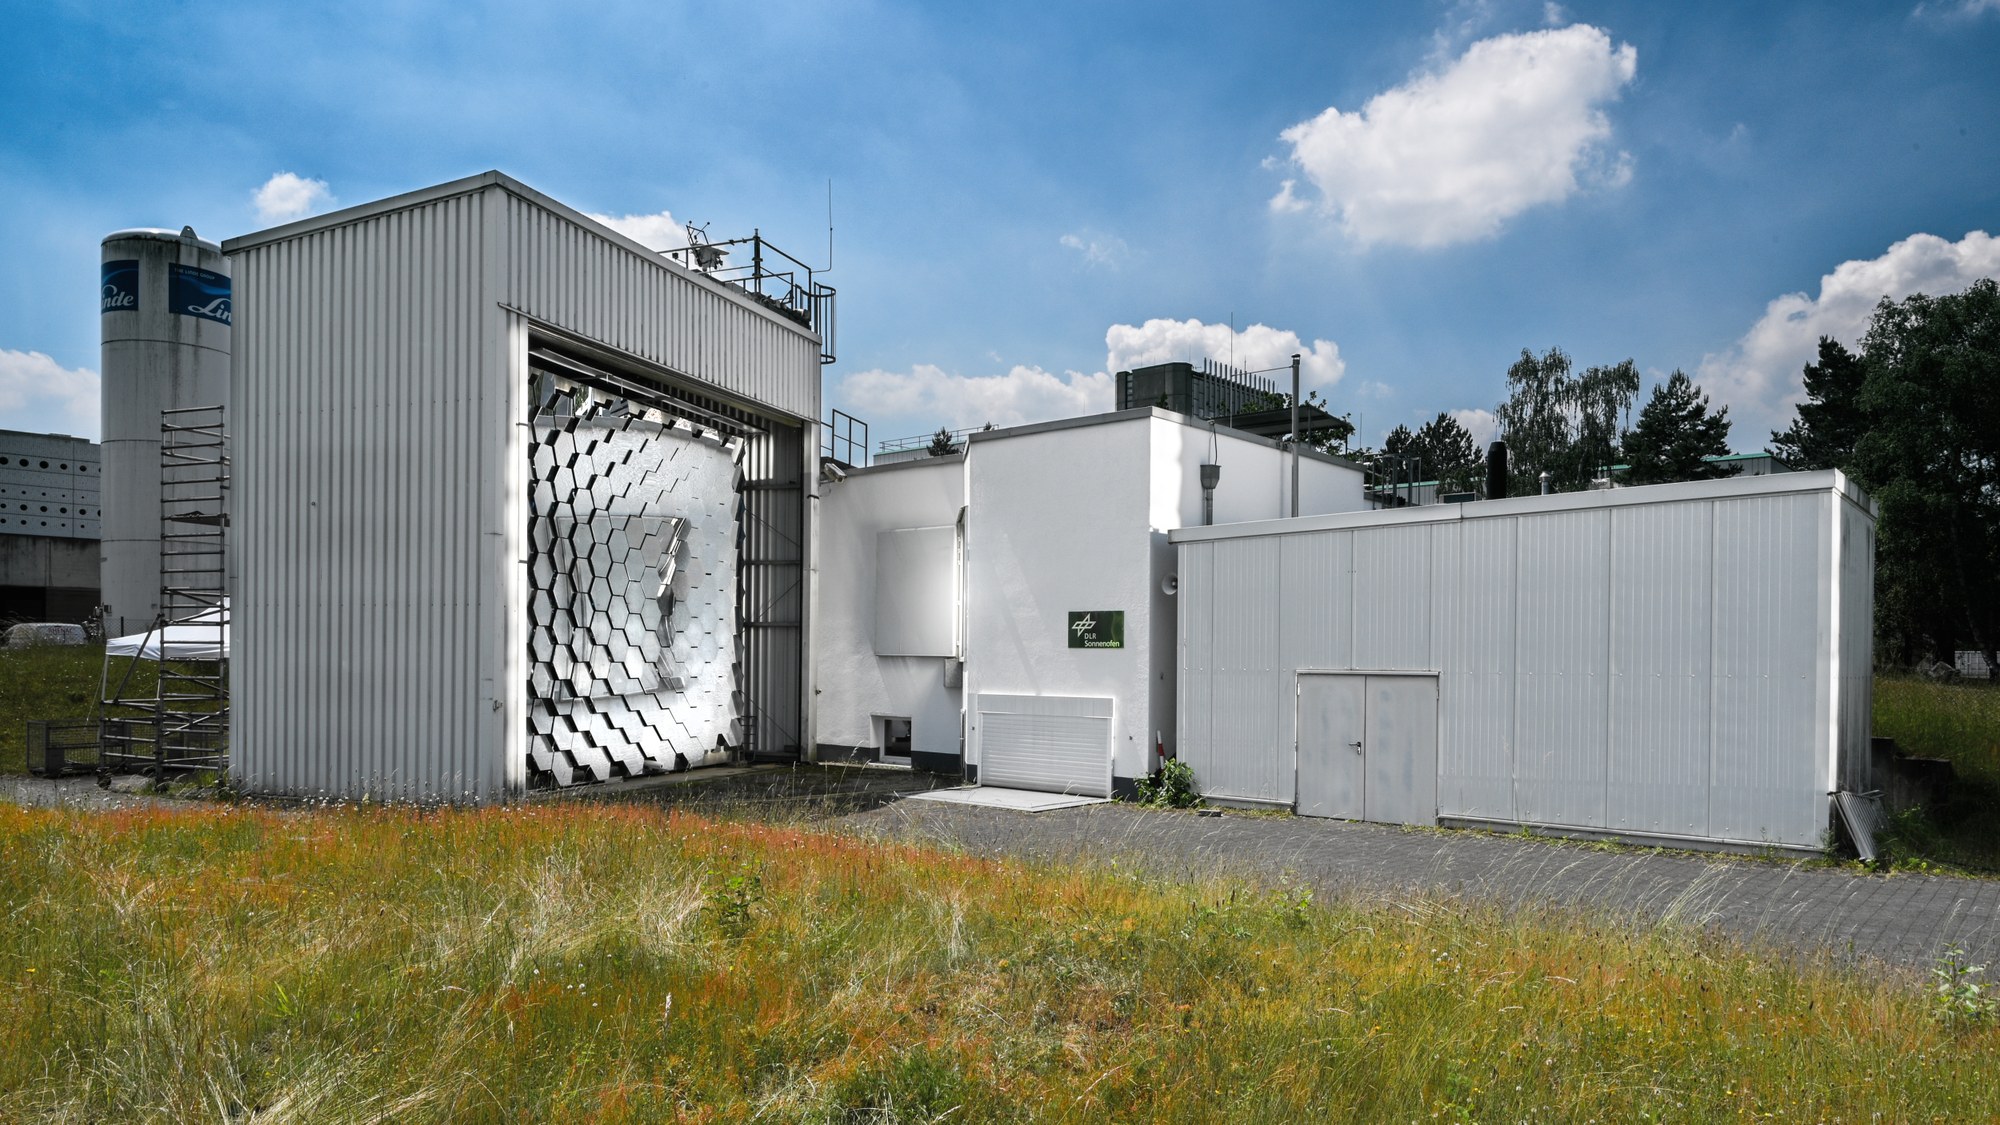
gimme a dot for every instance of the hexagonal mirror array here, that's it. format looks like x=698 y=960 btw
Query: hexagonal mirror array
x=632 y=648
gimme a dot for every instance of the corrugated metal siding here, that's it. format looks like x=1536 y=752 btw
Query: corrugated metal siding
x=568 y=275
x=1767 y=613
x=364 y=474
x=1650 y=668
x=1661 y=647
x=1392 y=598
x=1194 y=659
x=1561 y=663
x=1476 y=611
x=1857 y=644
x=1249 y=758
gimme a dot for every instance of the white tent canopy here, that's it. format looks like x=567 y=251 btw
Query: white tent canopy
x=194 y=639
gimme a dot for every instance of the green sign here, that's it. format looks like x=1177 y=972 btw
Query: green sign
x=1101 y=628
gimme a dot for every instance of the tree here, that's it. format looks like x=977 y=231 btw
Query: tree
x=1675 y=435
x=1914 y=417
x=1535 y=419
x=1450 y=455
x=1830 y=422
x=1566 y=426
x=941 y=443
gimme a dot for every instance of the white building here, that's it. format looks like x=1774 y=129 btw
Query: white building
x=1689 y=663
x=1011 y=604
x=520 y=501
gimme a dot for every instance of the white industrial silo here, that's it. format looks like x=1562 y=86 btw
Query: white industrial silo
x=166 y=338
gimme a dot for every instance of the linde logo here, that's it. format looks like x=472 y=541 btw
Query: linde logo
x=198 y=292
x=120 y=292
x=217 y=309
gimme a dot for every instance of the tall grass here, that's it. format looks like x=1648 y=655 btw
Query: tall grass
x=1959 y=722
x=566 y=963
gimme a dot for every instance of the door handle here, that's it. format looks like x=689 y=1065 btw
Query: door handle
x=1354 y=746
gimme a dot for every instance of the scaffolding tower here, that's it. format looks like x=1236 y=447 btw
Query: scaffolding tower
x=182 y=723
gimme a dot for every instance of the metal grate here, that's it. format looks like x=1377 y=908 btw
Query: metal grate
x=60 y=747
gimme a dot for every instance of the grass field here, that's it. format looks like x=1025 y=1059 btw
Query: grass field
x=596 y=963
x=52 y=682
x=45 y=682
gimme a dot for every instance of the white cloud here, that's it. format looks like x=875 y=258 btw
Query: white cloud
x=1252 y=349
x=287 y=196
x=1553 y=14
x=1515 y=122
x=1759 y=376
x=660 y=232
x=39 y=394
x=1481 y=424
x=1097 y=249
x=927 y=396
x=1961 y=9
x=1022 y=395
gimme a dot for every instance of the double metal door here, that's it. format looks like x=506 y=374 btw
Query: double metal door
x=1367 y=747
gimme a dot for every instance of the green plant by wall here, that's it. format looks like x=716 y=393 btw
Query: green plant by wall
x=1170 y=787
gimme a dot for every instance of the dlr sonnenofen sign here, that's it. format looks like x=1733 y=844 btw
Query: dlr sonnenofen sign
x=1097 y=628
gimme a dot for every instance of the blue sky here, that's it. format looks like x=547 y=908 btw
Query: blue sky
x=1028 y=198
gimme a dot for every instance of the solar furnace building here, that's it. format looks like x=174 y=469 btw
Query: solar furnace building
x=521 y=503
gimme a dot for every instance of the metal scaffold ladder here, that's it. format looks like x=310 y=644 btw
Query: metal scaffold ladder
x=183 y=723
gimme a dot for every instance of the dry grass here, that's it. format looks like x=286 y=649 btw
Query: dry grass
x=624 y=964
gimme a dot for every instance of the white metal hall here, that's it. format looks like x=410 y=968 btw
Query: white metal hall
x=520 y=501
x=1689 y=663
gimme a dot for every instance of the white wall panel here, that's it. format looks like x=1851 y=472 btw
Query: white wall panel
x=1392 y=598
x=916 y=591
x=1661 y=640
x=1476 y=610
x=1561 y=722
x=1251 y=755
x=1687 y=661
x=1195 y=607
x=1767 y=611
x=1316 y=580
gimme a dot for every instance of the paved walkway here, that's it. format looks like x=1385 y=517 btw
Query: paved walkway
x=72 y=793
x=1902 y=919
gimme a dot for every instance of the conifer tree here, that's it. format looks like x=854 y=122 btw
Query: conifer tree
x=1675 y=435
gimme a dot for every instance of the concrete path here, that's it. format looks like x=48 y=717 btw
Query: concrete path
x=72 y=793
x=1901 y=919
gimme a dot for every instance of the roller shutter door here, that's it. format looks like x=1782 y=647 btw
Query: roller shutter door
x=1057 y=744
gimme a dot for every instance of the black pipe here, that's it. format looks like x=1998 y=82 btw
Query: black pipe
x=1496 y=471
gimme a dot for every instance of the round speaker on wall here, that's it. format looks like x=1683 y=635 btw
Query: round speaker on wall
x=1170 y=585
